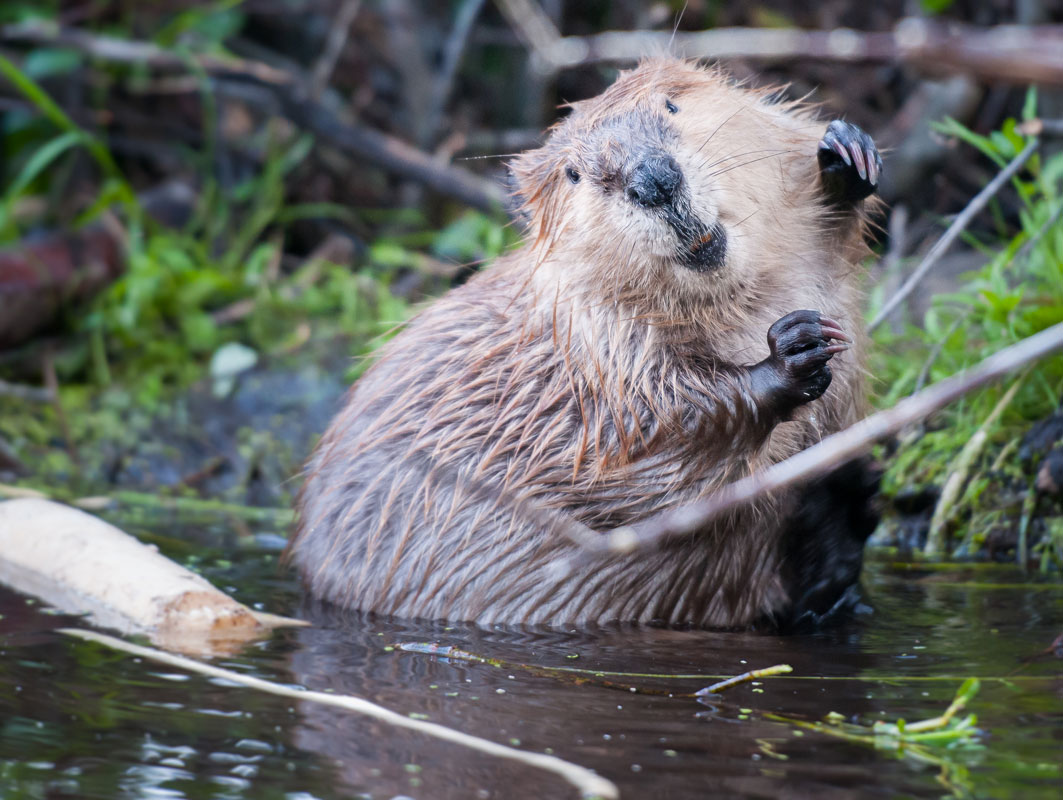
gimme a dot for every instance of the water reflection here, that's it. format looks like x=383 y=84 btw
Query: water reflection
x=76 y=720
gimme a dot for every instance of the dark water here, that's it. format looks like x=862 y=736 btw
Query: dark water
x=78 y=720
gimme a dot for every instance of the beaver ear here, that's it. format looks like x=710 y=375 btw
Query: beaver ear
x=532 y=177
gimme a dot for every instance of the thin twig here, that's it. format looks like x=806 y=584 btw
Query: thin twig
x=51 y=382
x=1040 y=127
x=745 y=677
x=817 y=460
x=468 y=11
x=1028 y=245
x=586 y=782
x=155 y=502
x=935 y=351
x=334 y=44
x=955 y=229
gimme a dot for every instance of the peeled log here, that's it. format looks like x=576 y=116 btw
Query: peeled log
x=82 y=565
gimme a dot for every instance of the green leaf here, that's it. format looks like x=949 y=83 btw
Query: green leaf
x=215 y=23
x=951 y=127
x=1029 y=106
x=936 y=6
x=48 y=107
x=968 y=689
x=47 y=61
x=34 y=166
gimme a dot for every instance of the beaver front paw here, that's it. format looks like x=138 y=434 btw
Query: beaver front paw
x=849 y=163
x=796 y=372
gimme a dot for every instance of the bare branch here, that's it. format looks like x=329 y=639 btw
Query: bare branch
x=534 y=27
x=334 y=44
x=391 y=154
x=126 y=51
x=295 y=102
x=821 y=458
x=957 y=227
x=453 y=52
x=1012 y=53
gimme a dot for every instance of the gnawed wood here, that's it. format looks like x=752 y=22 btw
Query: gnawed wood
x=82 y=565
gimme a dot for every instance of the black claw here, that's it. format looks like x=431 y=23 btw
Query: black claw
x=796 y=372
x=849 y=164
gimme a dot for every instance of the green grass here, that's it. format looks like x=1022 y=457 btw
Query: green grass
x=1017 y=293
x=153 y=332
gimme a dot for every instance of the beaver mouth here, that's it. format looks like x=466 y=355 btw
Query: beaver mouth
x=699 y=247
x=706 y=250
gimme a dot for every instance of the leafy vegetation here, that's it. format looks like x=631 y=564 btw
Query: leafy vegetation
x=1017 y=293
x=948 y=742
x=229 y=275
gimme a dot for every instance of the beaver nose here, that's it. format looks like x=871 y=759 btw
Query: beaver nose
x=654 y=181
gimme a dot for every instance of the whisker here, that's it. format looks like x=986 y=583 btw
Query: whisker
x=747 y=216
x=675 y=28
x=717 y=127
x=493 y=155
x=739 y=155
x=751 y=161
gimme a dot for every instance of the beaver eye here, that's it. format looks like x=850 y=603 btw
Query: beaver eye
x=572 y=174
x=672 y=108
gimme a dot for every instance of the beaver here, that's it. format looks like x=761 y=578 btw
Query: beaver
x=689 y=270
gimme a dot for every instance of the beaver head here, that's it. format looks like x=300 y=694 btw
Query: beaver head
x=673 y=183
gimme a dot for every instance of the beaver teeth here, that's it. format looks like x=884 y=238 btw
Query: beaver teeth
x=707 y=250
x=704 y=240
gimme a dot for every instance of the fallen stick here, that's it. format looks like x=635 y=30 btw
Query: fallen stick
x=817 y=460
x=589 y=784
x=82 y=565
x=45 y=273
x=1019 y=54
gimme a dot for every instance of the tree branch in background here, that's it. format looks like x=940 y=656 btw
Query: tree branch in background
x=334 y=44
x=1011 y=53
x=391 y=154
x=127 y=51
x=819 y=459
x=453 y=52
x=294 y=101
x=957 y=227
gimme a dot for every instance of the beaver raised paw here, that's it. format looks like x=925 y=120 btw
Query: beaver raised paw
x=849 y=163
x=796 y=372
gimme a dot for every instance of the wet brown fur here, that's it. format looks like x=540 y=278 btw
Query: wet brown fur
x=590 y=374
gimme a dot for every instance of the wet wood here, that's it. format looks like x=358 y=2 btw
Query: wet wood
x=80 y=564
